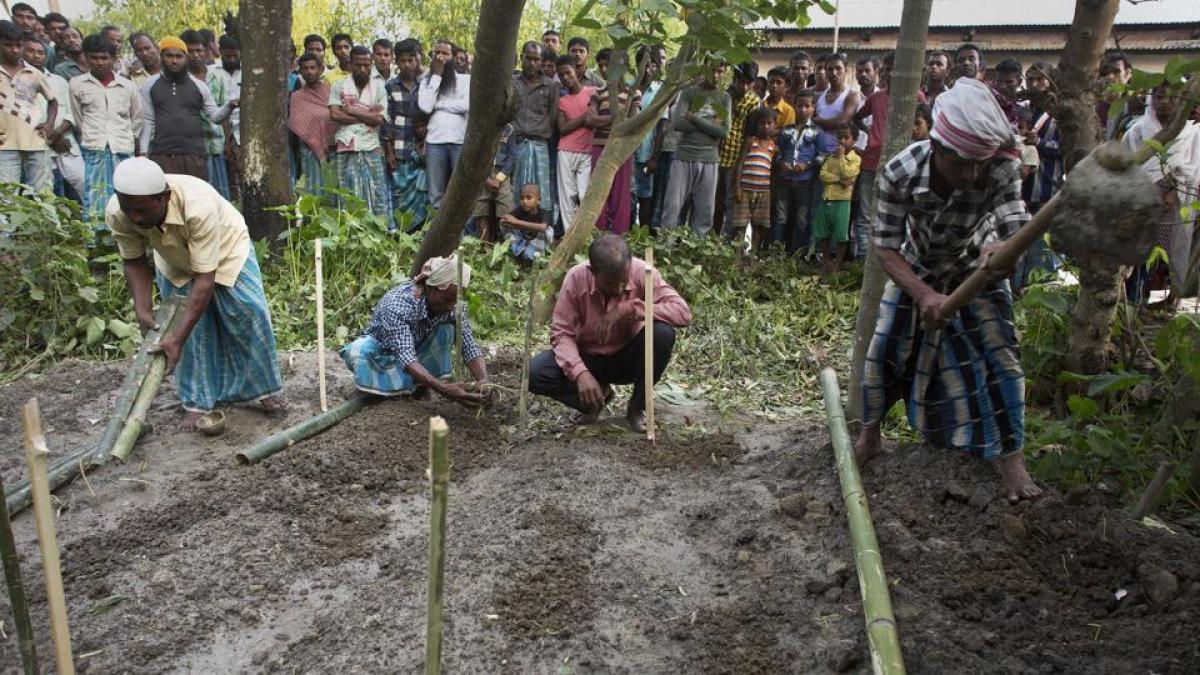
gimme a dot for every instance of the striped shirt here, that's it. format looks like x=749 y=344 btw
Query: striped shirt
x=756 y=165
x=603 y=108
x=941 y=238
x=401 y=322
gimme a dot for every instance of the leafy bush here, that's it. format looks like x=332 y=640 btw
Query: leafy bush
x=54 y=304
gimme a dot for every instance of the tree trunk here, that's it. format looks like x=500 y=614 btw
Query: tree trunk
x=902 y=93
x=1078 y=127
x=491 y=97
x=266 y=26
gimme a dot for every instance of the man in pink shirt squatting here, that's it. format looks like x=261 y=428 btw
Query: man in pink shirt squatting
x=597 y=335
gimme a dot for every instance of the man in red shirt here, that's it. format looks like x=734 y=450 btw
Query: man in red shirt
x=597 y=334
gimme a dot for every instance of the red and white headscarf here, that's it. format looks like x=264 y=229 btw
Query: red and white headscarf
x=968 y=120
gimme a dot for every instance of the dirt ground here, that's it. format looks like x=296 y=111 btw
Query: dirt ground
x=722 y=549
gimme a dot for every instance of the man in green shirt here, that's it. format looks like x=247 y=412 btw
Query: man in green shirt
x=701 y=116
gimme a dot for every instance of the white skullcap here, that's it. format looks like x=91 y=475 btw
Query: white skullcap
x=139 y=176
x=443 y=272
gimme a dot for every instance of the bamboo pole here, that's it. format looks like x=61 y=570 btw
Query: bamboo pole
x=648 y=330
x=458 y=329
x=439 y=488
x=1149 y=499
x=35 y=456
x=886 y=658
x=320 y=324
x=64 y=470
x=306 y=429
x=136 y=423
x=134 y=377
x=16 y=591
x=523 y=404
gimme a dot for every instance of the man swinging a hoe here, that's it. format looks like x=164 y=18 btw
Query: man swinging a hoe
x=944 y=206
x=407 y=346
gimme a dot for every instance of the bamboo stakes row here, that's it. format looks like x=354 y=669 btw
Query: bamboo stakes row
x=320 y=274
x=35 y=455
x=16 y=591
x=439 y=488
x=886 y=658
x=648 y=330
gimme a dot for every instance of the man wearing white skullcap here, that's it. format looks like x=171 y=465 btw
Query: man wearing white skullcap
x=407 y=346
x=223 y=349
x=943 y=206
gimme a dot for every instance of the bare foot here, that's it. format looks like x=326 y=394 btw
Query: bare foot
x=273 y=406
x=1018 y=484
x=637 y=421
x=867 y=445
x=191 y=418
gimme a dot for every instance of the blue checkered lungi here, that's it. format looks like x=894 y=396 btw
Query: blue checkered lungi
x=963 y=383
x=361 y=174
x=98 y=167
x=378 y=372
x=218 y=174
x=229 y=357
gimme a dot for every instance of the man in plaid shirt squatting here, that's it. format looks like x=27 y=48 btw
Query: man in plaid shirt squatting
x=944 y=206
x=407 y=346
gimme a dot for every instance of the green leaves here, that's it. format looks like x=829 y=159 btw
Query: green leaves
x=1082 y=407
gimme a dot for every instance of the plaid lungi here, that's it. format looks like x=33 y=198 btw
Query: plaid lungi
x=963 y=383
x=410 y=192
x=230 y=355
x=361 y=174
x=98 y=167
x=318 y=177
x=218 y=174
x=533 y=166
x=377 y=372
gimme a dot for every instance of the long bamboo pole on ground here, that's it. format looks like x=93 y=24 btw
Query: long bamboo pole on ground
x=134 y=377
x=523 y=404
x=886 y=658
x=649 y=332
x=320 y=274
x=35 y=456
x=292 y=435
x=439 y=489
x=16 y=591
x=64 y=470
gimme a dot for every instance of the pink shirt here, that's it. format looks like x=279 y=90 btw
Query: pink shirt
x=581 y=305
x=575 y=105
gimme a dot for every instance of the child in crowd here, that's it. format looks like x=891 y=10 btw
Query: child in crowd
x=831 y=222
x=528 y=235
x=495 y=199
x=1029 y=151
x=410 y=188
x=795 y=168
x=752 y=179
x=922 y=123
x=760 y=86
x=776 y=88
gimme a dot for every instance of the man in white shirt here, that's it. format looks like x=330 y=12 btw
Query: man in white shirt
x=64 y=152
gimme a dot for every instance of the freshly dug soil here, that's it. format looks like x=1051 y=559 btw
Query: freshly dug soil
x=590 y=551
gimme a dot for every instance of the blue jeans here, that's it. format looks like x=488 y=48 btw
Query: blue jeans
x=440 y=159
x=793 y=204
x=28 y=167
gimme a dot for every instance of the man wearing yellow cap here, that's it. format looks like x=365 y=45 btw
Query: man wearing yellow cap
x=407 y=345
x=223 y=350
x=175 y=106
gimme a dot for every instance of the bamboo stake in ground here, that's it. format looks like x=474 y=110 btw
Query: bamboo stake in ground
x=1149 y=499
x=320 y=324
x=523 y=405
x=35 y=456
x=872 y=583
x=439 y=483
x=16 y=591
x=649 y=332
x=458 y=330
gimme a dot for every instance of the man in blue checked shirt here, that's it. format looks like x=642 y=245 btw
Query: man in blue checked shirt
x=407 y=346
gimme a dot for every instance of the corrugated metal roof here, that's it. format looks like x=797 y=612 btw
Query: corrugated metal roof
x=974 y=13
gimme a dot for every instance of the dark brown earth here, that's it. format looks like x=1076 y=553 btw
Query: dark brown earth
x=713 y=551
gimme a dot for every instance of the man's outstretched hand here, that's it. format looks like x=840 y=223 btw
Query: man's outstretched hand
x=466 y=395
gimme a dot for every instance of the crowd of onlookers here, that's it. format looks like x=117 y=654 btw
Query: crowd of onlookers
x=785 y=158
